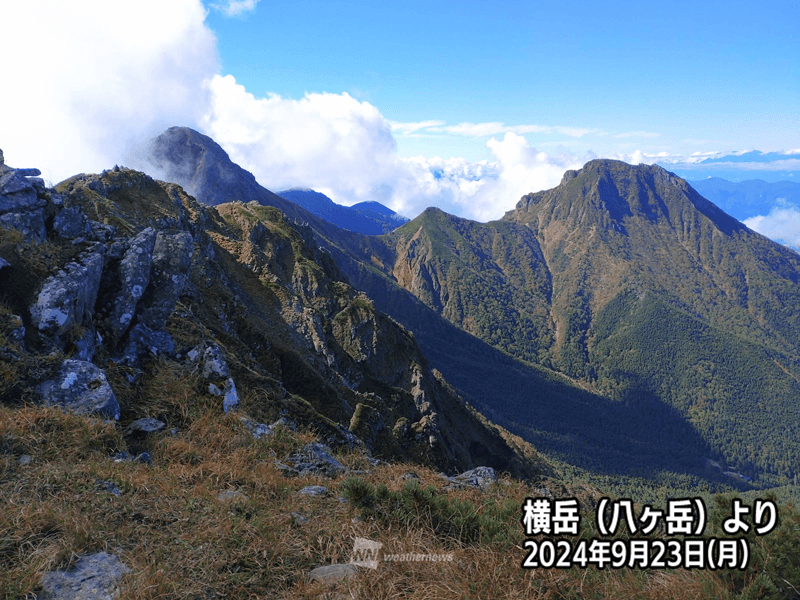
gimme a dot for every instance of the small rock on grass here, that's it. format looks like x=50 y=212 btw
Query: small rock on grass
x=333 y=573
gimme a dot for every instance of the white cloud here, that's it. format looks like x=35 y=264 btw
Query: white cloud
x=782 y=224
x=495 y=128
x=85 y=78
x=406 y=128
x=235 y=8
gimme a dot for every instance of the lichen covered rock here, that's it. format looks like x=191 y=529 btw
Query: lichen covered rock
x=81 y=388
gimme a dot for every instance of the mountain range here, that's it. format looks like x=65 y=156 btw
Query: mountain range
x=620 y=321
x=369 y=218
x=749 y=198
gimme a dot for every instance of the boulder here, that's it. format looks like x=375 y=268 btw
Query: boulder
x=94 y=577
x=81 y=388
x=68 y=297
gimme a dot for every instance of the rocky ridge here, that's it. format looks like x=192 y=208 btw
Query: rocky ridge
x=114 y=277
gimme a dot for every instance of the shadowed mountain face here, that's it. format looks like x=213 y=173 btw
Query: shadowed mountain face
x=369 y=218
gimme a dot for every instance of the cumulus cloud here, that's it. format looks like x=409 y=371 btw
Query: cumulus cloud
x=80 y=87
x=235 y=8
x=782 y=224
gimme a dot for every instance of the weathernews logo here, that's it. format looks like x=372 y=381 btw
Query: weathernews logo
x=366 y=554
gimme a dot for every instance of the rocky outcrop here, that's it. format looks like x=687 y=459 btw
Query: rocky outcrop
x=134 y=276
x=82 y=388
x=67 y=298
x=94 y=577
x=237 y=303
x=22 y=201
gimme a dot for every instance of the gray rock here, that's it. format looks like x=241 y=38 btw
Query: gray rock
x=480 y=477
x=258 y=430
x=71 y=223
x=94 y=577
x=30 y=224
x=134 y=275
x=81 y=388
x=314 y=490
x=24 y=460
x=145 y=425
x=172 y=258
x=29 y=172
x=4 y=263
x=85 y=344
x=214 y=366
x=232 y=496
x=68 y=298
x=316 y=459
x=142 y=341
x=17 y=193
x=331 y=574
x=231 y=399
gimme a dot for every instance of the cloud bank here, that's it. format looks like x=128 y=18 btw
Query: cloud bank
x=80 y=87
x=782 y=224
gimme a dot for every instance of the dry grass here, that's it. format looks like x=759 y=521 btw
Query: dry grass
x=181 y=541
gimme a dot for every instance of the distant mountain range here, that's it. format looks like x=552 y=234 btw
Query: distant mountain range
x=620 y=321
x=369 y=218
x=749 y=198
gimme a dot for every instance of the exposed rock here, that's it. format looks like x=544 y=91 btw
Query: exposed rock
x=81 y=388
x=333 y=573
x=145 y=425
x=68 y=297
x=4 y=263
x=233 y=496
x=314 y=490
x=30 y=224
x=231 y=399
x=316 y=459
x=24 y=460
x=172 y=257
x=134 y=275
x=214 y=366
x=71 y=223
x=480 y=478
x=142 y=340
x=94 y=577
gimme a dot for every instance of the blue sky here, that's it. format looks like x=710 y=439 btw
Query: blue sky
x=462 y=105
x=677 y=77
